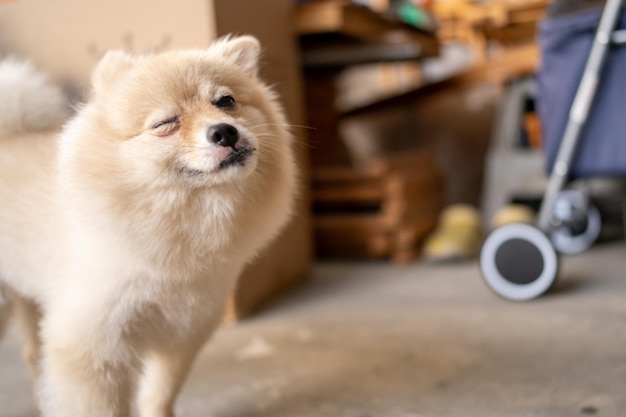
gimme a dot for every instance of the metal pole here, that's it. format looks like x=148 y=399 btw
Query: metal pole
x=579 y=110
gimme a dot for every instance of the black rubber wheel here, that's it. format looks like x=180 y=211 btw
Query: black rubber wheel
x=518 y=262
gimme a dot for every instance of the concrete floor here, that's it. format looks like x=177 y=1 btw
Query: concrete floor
x=374 y=340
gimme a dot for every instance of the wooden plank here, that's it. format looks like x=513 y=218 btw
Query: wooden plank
x=320 y=21
x=352 y=236
x=335 y=174
x=351 y=193
x=513 y=62
x=526 y=11
x=364 y=24
x=326 y=146
x=340 y=56
x=409 y=198
x=316 y=18
x=512 y=33
x=358 y=224
x=345 y=18
x=370 y=247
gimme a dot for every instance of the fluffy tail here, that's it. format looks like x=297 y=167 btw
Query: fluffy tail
x=29 y=101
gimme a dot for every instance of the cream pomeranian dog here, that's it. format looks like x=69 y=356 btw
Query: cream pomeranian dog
x=126 y=233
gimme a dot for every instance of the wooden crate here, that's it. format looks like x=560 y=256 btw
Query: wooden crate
x=382 y=210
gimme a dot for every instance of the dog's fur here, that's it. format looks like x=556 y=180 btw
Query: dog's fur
x=129 y=231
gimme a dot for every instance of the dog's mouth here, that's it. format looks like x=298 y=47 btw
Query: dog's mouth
x=237 y=157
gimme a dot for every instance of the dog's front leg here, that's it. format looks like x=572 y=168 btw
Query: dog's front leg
x=165 y=368
x=29 y=316
x=86 y=369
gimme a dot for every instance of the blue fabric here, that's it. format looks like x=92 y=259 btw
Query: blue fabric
x=565 y=44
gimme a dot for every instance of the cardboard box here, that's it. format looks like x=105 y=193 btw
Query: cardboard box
x=66 y=38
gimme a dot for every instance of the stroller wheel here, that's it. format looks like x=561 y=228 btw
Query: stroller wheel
x=577 y=234
x=518 y=262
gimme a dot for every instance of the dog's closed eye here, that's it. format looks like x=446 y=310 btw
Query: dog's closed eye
x=166 y=127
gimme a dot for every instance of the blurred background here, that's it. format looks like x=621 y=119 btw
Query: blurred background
x=419 y=130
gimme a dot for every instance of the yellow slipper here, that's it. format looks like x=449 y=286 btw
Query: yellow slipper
x=457 y=237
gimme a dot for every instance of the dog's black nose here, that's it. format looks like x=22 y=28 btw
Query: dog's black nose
x=223 y=134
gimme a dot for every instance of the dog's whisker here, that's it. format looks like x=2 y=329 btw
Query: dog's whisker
x=284 y=125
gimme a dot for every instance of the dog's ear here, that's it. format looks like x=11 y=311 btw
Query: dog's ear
x=112 y=65
x=244 y=51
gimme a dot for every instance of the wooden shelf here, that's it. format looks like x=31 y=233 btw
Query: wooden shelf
x=382 y=210
x=511 y=63
x=341 y=18
x=386 y=208
x=337 y=33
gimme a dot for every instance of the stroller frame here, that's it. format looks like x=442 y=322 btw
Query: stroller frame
x=520 y=261
x=606 y=35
